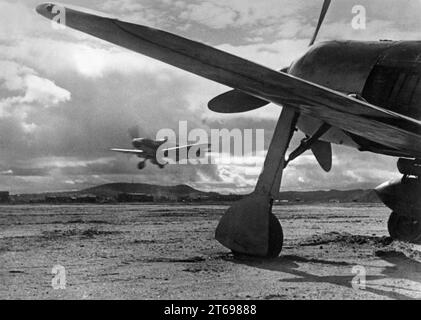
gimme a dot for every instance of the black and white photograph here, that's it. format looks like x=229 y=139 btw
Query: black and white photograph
x=229 y=151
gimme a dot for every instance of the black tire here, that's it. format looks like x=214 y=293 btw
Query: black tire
x=276 y=241
x=276 y=237
x=404 y=228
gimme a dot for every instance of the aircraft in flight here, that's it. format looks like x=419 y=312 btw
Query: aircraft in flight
x=366 y=95
x=150 y=150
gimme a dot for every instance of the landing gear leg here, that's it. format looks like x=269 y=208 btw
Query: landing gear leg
x=249 y=227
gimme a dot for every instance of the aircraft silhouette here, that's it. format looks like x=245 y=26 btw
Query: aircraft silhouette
x=149 y=150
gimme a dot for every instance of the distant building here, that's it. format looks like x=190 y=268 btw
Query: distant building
x=4 y=197
x=184 y=199
x=135 y=197
x=87 y=199
x=166 y=198
x=59 y=199
x=281 y=201
x=202 y=198
x=227 y=197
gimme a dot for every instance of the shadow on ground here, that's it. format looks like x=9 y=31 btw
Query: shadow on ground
x=398 y=266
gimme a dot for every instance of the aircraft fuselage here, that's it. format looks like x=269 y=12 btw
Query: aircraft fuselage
x=148 y=146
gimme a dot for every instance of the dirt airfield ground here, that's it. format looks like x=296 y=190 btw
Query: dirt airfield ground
x=169 y=252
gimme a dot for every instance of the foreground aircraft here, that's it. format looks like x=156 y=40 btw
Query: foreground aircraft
x=148 y=149
x=366 y=95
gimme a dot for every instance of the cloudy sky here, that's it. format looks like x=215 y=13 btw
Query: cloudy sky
x=66 y=98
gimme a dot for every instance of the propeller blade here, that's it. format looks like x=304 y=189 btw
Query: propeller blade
x=235 y=101
x=323 y=153
x=134 y=132
x=325 y=9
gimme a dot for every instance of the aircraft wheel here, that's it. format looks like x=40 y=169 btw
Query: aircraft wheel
x=141 y=165
x=276 y=239
x=404 y=228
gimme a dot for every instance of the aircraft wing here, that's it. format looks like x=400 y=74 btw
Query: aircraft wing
x=129 y=151
x=181 y=152
x=179 y=148
x=357 y=117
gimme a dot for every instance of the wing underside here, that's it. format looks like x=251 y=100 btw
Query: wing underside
x=184 y=152
x=357 y=117
x=189 y=147
x=129 y=151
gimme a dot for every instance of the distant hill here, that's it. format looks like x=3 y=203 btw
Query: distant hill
x=114 y=189
x=175 y=193
x=364 y=196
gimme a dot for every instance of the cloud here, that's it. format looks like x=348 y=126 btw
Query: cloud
x=210 y=14
x=122 y=5
x=66 y=98
x=43 y=91
x=28 y=93
x=235 y=13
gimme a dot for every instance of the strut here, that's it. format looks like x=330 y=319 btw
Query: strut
x=308 y=142
x=249 y=227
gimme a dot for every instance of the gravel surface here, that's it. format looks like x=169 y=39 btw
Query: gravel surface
x=169 y=252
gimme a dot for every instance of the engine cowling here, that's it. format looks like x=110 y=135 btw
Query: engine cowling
x=410 y=167
x=402 y=196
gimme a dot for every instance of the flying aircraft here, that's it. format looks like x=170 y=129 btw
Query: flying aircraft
x=148 y=149
x=366 y=95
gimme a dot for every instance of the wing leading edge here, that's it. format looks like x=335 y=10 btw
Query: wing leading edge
x=129 y=151
x=357 y=117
